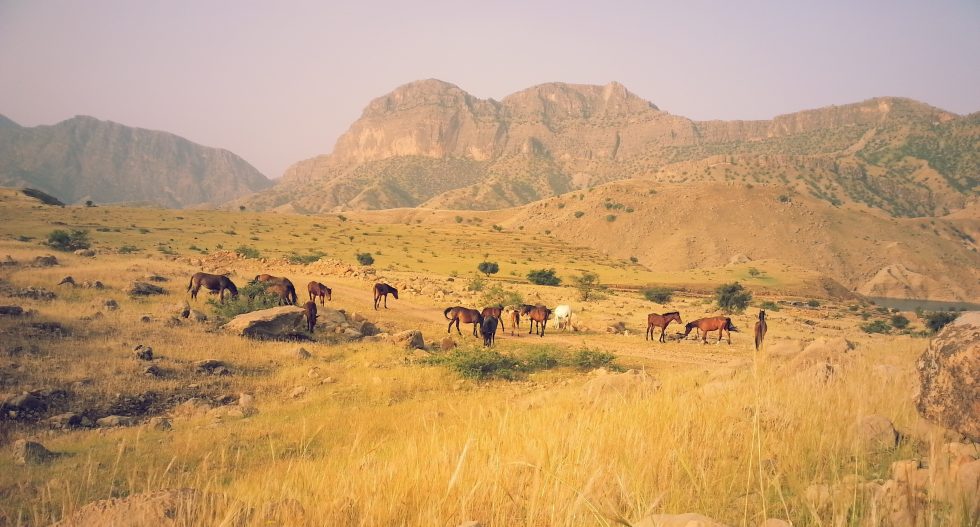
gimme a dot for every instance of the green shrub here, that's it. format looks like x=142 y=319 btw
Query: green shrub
x=586 y=359
x=769 y=305
x=301 y=259
x=610 y=218
x=733 y=298
x=478 y=363
x=660 y=295
x=813 y=303
x=488 y=268
x=129 y=249
x=937 y=320
x=246 y=251
x=68 y=240
x=365 y=258
x=543 y=277
x=754 y=272
x=477 y=283
x=634 y=259
x=588 y=286
x=900 y=321
x=579 y=213
x=251 y=297
x=876 y=326
x=496 y=295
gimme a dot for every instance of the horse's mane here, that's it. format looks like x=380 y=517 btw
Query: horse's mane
x=671 y=313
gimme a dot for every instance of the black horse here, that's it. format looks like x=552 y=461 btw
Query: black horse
x=216 y=283
x=382 y=291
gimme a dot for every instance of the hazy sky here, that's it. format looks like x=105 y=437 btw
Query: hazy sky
x=276 y=82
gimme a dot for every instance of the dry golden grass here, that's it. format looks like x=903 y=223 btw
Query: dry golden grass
x=391 y=441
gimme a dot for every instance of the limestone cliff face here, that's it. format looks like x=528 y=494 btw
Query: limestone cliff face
x=85 y=158
x=453 y=150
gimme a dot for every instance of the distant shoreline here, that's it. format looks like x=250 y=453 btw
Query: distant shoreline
x=911 y=304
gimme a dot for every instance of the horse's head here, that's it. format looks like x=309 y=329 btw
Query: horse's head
x=329 y=294
x=688 y=327
x=231 y=287
x=762 y=314
x=394 y=292
x=676 y=316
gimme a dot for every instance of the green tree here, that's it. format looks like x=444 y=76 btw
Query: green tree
x=543 y=277
x=660 y=295
x=488 y=268
x=68 y=241
x=733 y=298
x=937 y=320
x=588 y=285
x=900 y=321
x=365 y=258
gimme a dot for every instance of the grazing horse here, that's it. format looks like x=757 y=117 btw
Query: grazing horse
x=310 y=312
x=722 y=324
x=515 y=320
x=465 y=315
x=382 y=290
x=563 y=316
x=495 y=311
x=214 y=283
x=280 y=286
x=760 y=329
x=489 y=329
x=661 y=321
x=540 y=315
x=316 y=289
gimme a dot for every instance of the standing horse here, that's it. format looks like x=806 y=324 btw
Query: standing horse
x=563 y=316
x=722 y=324
x=495 y=311
x=382 y=290
x=760 y=329
x=316 y=289
x=539 y=315
x=515 y=320
x=309 y=310
x=281 y=286
x=214 y=283
x=661 y=321
x=489 y=330
x=465 y=315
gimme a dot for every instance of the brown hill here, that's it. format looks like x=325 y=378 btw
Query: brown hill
x=84 y=158
x=430 y=143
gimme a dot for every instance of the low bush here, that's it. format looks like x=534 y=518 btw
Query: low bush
x=733 y=298
x=484 y=364
x=68 y=240
x=660 y=295
x=769 y=305
x=302 y=259
x=900 y=321
x=246 y=251
x=876 y=326
x=251 y=297
x=543 y=277
x=937 y=320
x=365 y=258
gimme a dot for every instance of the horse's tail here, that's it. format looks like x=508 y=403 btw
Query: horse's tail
x=191 y=285
x=758 y=338
x=446 y=312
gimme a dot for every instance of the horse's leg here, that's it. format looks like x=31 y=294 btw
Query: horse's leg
x=221 y=295
x=449 y=328
x=663 y=331
x=457 y=326
x=543 y=324
x=386 y=300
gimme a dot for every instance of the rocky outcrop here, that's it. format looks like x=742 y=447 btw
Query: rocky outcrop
x=949 y=377
x=277 y=323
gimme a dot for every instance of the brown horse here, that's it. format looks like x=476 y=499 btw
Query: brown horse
x=515 y=320
x=722 y=324
x=495 y=311
x=760 y=329
x=465 y=315
x=310 y=311
x=539 y=315
x=661 y=321
x=280 y=286
x=316 y=289
x=214 y=283
x=382 y=290
x=489 y=330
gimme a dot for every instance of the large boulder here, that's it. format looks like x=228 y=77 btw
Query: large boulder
x=145 y=289
x=31 y=453
x=285 y=322
x=949 y=377
x=409 y=339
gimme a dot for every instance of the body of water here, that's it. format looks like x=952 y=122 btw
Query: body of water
x=906 y=304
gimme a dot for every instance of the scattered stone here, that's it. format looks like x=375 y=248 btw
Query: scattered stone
x=949 y=377
x=182 y=310
x=197 y=316
x=67 y=281
x=409 y=339
x=8 y=262
x=821 y=372
x=447 y=344
x=114 y=421
x=246 y=400
x=45 y=261
x=143 y=352
x=160 y=423
x=108 y=304
x=88 y=253
x=153 y=371
x=146 y=319
x=145 y=289
x=11 y=311
x=301 y=353
x=314 y=372
x=24 y=406
x=298 y=391
x=155 y=278
x=617 y=328
x=192 y=407
x=65 y=420
x=689 y=519
x=172 y=322
x=93 y=285
x=31 y=453
x=875 y=433
x=34 y=293
x=285 y=322
x=211 y=367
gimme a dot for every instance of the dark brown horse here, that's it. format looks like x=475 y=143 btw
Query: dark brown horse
x=489 y=329
x=539 y=315
x=216 y=283
x=661 y=321
x=495 y=311
x=515 y=320
x=281 y=286
x=316 y=289
x=722 y=324
x=310 y=311
x=760 y=329
x=382 y=291
x=457 y=314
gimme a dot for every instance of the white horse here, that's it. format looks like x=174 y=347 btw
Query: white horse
x=563 y=316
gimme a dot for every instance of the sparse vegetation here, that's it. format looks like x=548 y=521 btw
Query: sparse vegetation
x=876 y=326
x=484 y=364
x=579 y=213
x=611 y=218
x=488 y=268
x=660 y=295
x=251 y=297
x=588 y=286
x=301 y=259
x=496 y=295
x=769 y=305
x=899 y=321
x=246 y=251
x=68 y=240
x=732 y=298
x=365 y=258
x=937 y=320
x=543 y=277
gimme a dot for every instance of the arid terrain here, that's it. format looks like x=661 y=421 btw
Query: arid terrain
x=361 y=424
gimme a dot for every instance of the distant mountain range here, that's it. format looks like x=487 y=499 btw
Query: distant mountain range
x=84 y=158
x=431 y=144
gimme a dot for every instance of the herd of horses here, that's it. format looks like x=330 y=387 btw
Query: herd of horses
x=485 y=322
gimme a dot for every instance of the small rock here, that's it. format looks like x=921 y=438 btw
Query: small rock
x=11 y=311
x=301 y=353
x=876 y=432
x=146 y=319
x=67 y=281
x=88 y=253
x=153 y=371
x=145 y=289
x=246 y=400
x=211 y=367
x=182 y=310
x=409 y=339
x=160 y=423
x=66 y=420
x=143 y=352
x=31 y=453
x=115 y=420
x=194 y=406
x=45 y=261
x=109 y=304
x=172 y=322
x=447 y=344
x=298 y=392
x=197 y=316
x=25 y=404
x=314 y=372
